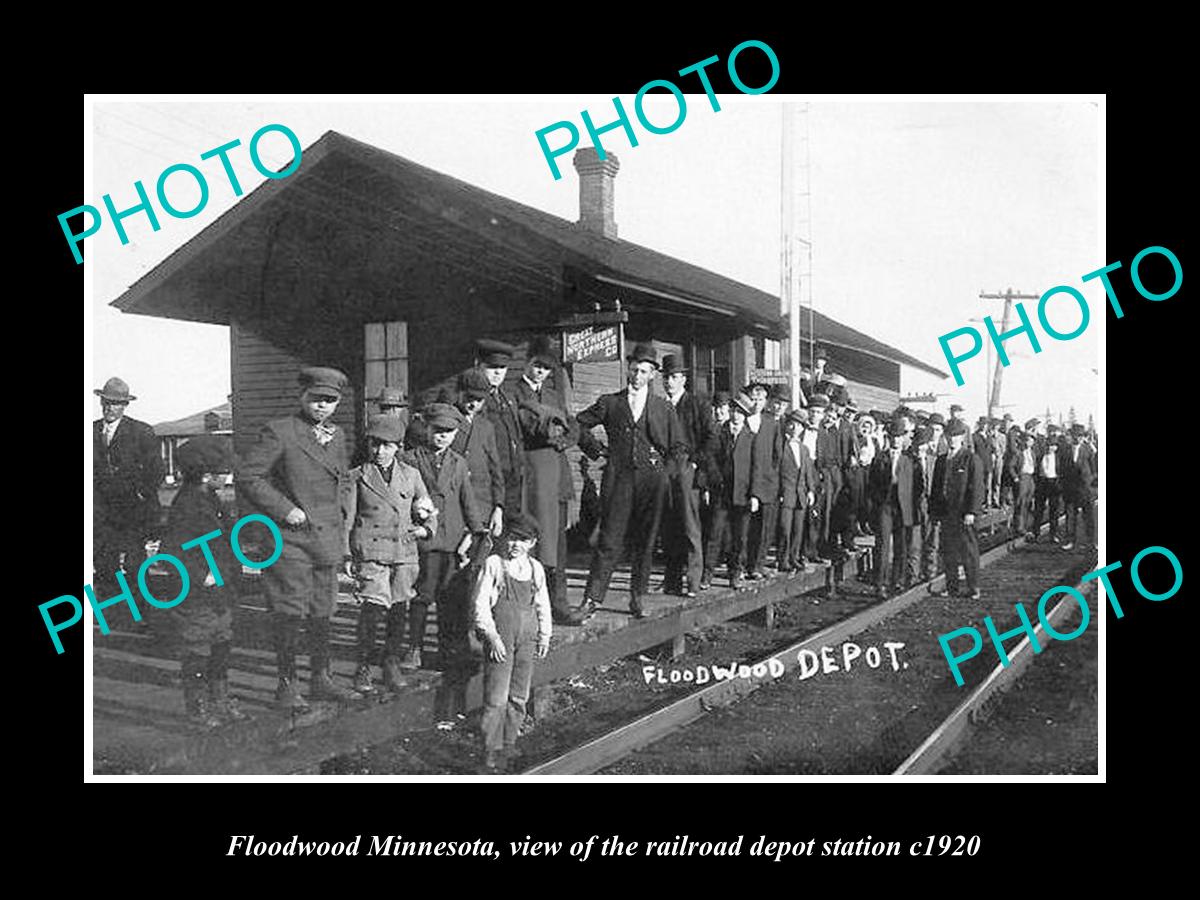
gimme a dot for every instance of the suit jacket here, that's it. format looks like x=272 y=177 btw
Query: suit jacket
x=764 y=473
x=195 y=512
x=126 y=475
x=501 y=410
x=733 y=460
x=923 y=473
x=983 y=449
x=906 y=492
x=667 y=442
x=1080 y=478
x=698 y=429
x=450 y=490
x=957 y=485
x=848 y=443
x=476 y=443
x=379 y=514
x=286 y=469
x=795 y=481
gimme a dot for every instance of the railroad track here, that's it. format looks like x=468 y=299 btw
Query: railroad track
x=598 y=753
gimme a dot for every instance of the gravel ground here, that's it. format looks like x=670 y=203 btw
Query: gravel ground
x=1038 y=727
x=866 y=720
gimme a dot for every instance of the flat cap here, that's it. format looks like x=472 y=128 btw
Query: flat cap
x=521 y=526
x=720 y=398
x=324 y=380
x=494 y=353
x=818 y=399
x=798 y=415
x=386 y=428
x=956 y=426
x=937 y=419
x=744 y=403
x=390 y=397
x=473 y=385
x=442 y=416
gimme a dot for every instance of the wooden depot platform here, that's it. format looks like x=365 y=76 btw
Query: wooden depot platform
x=139 y=725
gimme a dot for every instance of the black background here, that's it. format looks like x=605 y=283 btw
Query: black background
x=1025 y=827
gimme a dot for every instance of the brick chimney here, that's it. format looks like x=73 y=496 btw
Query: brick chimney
x=596 y=190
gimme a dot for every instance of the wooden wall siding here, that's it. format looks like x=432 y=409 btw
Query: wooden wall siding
x=868 y=396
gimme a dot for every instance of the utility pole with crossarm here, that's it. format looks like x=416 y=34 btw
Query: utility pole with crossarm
x=1008 y=297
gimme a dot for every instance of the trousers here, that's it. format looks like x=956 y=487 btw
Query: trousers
x=1047 y=493
x=762 y=535
x=298 y=586
x=892 y=542
x=506 y=684
x=632 y=510
x=960 y=546
x=794 y=537
x=682 y=539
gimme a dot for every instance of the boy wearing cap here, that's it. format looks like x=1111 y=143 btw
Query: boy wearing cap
x=126 y=472
x=296 y=474
x=798 y=484
x=446 y=477
x=957 y=499
x=204 y=619
x=511 y=610
x=387 y=510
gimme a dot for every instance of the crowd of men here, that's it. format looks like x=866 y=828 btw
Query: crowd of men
x=721 y=482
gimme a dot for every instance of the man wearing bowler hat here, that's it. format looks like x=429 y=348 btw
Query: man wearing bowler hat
x=296 y=474
x=644 y=436
x=682 y=536
x=127 y=469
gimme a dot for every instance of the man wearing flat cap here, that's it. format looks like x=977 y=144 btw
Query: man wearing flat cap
x=493 y=359
x=296 y=474
x=644 y=437
x=127 y=469
x=683 y=539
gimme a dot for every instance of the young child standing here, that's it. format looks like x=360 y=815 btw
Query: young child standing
x=512 y=614
x=205 y=618
x=387 y=509
x=446 y=476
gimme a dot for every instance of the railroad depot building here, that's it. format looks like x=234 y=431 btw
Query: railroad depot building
x=390 y=271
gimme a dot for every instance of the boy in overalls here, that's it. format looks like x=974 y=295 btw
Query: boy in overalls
x=512 y=614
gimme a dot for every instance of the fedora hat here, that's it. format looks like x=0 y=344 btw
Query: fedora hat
x=542 y=351
x=672 y=364
x=114 y=389
x=643 y=352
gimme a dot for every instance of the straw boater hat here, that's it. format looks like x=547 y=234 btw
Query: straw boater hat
x=744 y=403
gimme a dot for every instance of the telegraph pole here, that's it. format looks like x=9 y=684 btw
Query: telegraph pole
x=1008 y=297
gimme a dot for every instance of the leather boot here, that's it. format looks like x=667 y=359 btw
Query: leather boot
x=368 y=621
x=287 y=636
x=393 y=647
x=322 y=686
x=223 y=706
x=195 y=691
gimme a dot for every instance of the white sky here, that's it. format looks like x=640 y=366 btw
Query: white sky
x=917 y=207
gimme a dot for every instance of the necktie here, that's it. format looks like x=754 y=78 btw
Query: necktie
x=323 y=434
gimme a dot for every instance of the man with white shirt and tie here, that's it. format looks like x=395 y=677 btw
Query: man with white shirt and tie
x=126 y=472
x=1048 y=484
x=644 y=437
x=893 y=485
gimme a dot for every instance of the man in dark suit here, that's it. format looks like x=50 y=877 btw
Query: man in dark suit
x=981 y=443
x=797 y=493
x=126 y=472
x=729 y=490
x=296 y=474
x=476 y=443
x=958 y=500
x=1079 y=488
x=682 y=538
x=895 y=491
x=492 y=359
x=764 y=489
x=1048 y=490
x=644 y=436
